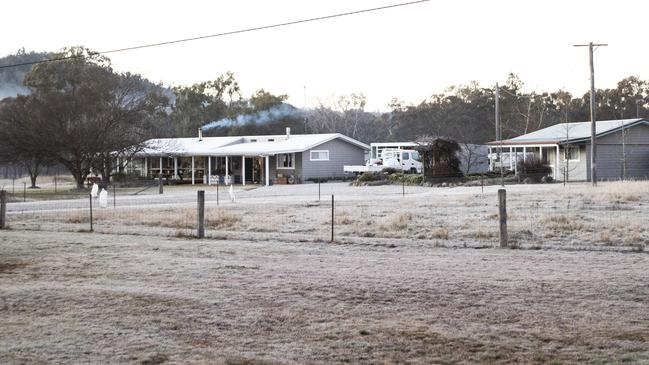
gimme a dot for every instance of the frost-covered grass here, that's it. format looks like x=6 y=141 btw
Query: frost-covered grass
x=102 y=298
x=611 y=216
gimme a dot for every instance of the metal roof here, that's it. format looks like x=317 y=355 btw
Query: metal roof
x=241 y=145
x=571 y=132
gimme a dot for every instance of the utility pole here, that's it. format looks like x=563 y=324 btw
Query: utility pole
x=305 y=118
x=593 y=126
x=499 y=136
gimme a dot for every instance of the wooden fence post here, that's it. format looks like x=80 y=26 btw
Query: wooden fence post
x=482 y=182
x=201 y=214
x=502 y=214
x=332 y=217
x=3 y=209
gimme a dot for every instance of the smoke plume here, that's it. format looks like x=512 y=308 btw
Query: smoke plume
x=262 y=117
x=10 y=91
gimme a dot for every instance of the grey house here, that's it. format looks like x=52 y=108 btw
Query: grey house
x=622 y=150
x=280 y=159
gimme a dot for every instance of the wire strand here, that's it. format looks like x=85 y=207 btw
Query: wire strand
x=233 y=32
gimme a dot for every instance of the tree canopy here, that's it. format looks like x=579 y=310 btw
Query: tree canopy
x=82 y=114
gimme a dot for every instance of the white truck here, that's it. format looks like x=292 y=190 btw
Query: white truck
x=407 y=161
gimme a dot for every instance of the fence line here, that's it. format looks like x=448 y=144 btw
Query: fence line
x=377 y=214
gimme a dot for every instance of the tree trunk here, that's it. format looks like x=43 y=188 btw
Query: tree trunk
x=80 y=182
x=32 y=178
x=105 y=173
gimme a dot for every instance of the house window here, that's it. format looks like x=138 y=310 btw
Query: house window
x=253 y=140
x=571 y=153
x=286 y=161
x=271 y=139
x=319 y=155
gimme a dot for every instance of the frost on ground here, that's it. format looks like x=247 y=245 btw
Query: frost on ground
x=90 y=298
x=577 y=216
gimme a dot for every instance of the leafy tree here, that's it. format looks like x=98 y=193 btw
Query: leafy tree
x=85 y=114
x=17 y=118
x=203 y=102
x=263 y=100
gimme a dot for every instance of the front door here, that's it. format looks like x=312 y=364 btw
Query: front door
x=257 y=170
x=249 y=168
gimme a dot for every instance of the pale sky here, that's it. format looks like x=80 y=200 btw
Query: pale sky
x=408 y=53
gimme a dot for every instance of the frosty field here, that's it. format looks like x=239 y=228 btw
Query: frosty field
x=411 y=279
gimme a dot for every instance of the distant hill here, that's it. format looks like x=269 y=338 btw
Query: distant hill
x=11 y=79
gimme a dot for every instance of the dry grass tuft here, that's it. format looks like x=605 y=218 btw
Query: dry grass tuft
x=480 y=234
x=77 y=217
x=629 y=191
x=8 y=267
x=633 y=238
x=221 y=219
x=440 y=234
x=183 y=233
x=630 y=197
x=155 y=359
x=605 y=237
x=562 y=222
x=344 y=219
x=401 y=220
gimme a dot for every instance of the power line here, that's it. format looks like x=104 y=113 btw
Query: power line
x=239 y=31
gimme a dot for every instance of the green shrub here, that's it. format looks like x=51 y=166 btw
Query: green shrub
x=368 y=176
x=395 y=177
x=414 y=179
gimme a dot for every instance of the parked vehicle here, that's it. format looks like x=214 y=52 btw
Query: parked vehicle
x=407 y=161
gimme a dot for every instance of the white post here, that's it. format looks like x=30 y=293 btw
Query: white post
x=556 y=166
x=160 y=176
x=209 y=170
x=524 y=153
x=267 y=173
x=146 y=166
x=511 y=162
x=516 y=161
x=227 y=165
x=192 y=170
x=243 y=170
x=175 y=168
x=541 y=153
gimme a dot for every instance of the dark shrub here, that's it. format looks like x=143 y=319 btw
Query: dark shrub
x=390 y=171
x=535 y=166
x=439 y=156
x=368 y=176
